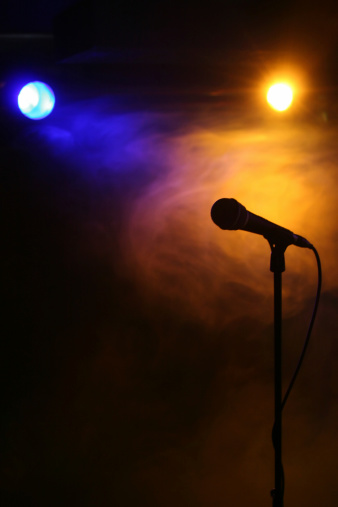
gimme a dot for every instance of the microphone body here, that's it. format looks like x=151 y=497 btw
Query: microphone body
x=229 y=214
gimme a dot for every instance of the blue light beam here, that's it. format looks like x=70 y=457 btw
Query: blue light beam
x=36 y=100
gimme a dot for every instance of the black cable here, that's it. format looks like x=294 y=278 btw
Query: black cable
x=307 y=339
x=306 y=343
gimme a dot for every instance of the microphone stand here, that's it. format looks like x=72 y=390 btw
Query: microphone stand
x=277 y=266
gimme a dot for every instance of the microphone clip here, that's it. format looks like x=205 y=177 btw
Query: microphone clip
x=277 y=260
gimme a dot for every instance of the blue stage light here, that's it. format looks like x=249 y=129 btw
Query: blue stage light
x=36 y=100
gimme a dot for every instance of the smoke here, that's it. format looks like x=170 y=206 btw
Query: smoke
x=281 y=171
x=161 y=323
x=157 y=174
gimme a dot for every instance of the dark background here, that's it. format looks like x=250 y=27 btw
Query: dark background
x=137 y=337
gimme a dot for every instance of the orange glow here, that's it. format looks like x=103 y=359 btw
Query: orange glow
x=274 y=172
x=284 y=80
x=280 y=96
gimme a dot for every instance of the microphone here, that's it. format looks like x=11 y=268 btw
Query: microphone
x=229 y=214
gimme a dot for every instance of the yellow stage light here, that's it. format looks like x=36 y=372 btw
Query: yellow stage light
x=280 y=96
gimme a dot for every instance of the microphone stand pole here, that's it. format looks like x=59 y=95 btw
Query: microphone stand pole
x=277 y=266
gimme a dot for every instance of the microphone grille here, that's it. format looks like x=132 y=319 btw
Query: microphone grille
x=229 y=214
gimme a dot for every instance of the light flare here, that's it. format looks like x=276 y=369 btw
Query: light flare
x=280 y=96
x=36 y=100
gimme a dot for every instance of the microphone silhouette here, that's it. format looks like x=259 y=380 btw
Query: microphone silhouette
x=229 y=214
